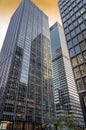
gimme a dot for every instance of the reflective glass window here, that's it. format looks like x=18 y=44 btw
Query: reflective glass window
x=84 y=54
x=83 y=69
x=77 y=49
x=80 y=58
x=80 y=20
x=73 y=18
x=69 y=44
x=78 y=14
x=82 y=26
x=84 y=16
x=75 y=41
x=71 y=27
x=72 y=52
x=80 y=84
x=83 y=45
x=66 y=30
x=77 y=30
x=82 y=10
x=76 y=72
x=84 y=80
x=68 y=37
x=75 y=24
x=75 y=9
x=84 y=34
x=80 y=37
x=73 y=33
x=74 y=61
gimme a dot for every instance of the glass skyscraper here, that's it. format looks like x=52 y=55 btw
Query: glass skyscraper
x=65 y=93
x=73 y=14
x=26 y=91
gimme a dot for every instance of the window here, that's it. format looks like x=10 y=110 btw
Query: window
x=82 y=26
x=82 y=10
x=75 y=41
x=84 y=16
x=84 y=54
x=76 y=72
x=72 y=52
x=68 y=37
x=74 y=61
x=73 y=17
x=77 y=49
x=77 y=14
x=80 y=84
x=66 y=30
x=83 y=69
x=84 y=1
x=80 y=58
x=80 y=20
x=69 y=44
x=80 y=5
x=65 y=25
x=75 y=24
x=83 y=45
x=80 y=37
x=84 y=34
x=71 y=27
x=77 y=30
x=75 y=9
x=84 y=80
x=73 y=33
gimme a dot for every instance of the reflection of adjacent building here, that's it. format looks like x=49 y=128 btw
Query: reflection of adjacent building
x=65 y=93
x=73 y=14
x=26 y=91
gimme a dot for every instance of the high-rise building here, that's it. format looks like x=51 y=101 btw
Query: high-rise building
x=26 y=91
x=73 y=14
x=65 y=93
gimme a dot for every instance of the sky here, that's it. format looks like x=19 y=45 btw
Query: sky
x=7 y=8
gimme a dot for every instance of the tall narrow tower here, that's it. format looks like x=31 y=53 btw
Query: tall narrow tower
x=65 y=92
x=26 y=91
x=73 y=14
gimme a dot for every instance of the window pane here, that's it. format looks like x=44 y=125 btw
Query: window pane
x=77 y=49
x=83 y=46
x=76 y=72
x=84 y=54
x=80 y=58
x=69 y=44
x=72 y=52
x=83 y=69
x=74 y=61
x=75 y=41
x=84 y=34
x=80 y=85
x=80 y=37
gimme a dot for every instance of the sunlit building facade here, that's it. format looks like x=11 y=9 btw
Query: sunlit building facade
x=65 y=93
x=26 y=91
x=73 y=14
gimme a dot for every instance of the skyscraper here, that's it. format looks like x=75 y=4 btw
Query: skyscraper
x=73 y=14
x=26 y=91
x=65 y=92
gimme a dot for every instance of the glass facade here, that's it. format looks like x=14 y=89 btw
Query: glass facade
x=26 y=88
x=65 y=93
x=73 y=14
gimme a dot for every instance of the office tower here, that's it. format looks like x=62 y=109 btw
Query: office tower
x=73 y=14
x=26 y=91
x=65 y=93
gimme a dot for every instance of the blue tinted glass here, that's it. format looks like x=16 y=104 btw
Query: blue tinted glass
x=75 y=41
x=72 y=52
x=82 y=26
x=77 y=30
x=69 y=44
x=80 y=37
x=72 y=33
x=77 y=49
